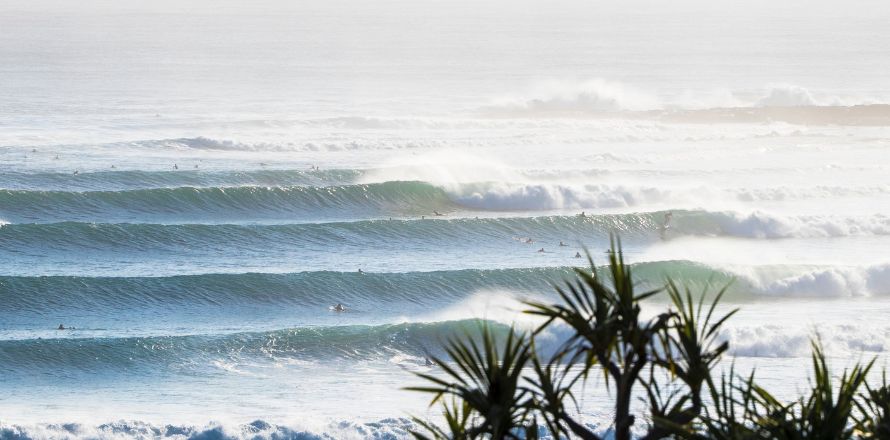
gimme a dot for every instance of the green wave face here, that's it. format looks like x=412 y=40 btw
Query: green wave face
x=218 y=204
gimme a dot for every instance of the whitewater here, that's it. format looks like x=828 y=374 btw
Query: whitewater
x=190 y=186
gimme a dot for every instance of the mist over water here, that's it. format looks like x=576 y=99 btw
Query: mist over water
x=190 y=186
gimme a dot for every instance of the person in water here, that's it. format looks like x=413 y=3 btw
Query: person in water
x=360 y=271
x=339 y=308
x=175 y=167
x=577 y=254
x=561 y=244
x=61 y=327
x=666 y=224
x=541 y=250
x=582 y=214
x=529 y=240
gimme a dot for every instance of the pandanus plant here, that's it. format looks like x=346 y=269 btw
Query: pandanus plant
x=512 y=392
x=486 y=387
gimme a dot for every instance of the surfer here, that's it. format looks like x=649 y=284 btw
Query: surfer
x=561 y=244
x=577 y=254
x=76 y=172
x=541 y=251
x=175 y=167
x=666 y=224
x=438 y=214
x=61 y=327
x=582 y=215
x=529 y=240
x=339 y=308
x=428 y=362
x=360 y=271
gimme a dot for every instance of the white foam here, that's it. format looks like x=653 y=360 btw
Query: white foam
x=820 y=282
x=759 y=224
x=593 y=95
x=783 y=341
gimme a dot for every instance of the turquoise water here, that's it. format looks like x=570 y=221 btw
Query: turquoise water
x=190 y=188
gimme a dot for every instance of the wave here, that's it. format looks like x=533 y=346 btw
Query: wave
x=403 y=344
x=137 y=179
x=188 y=353
x=441 y=233
x=218 y=204
x=313 y=290
x=306 y=294
x=594 y=95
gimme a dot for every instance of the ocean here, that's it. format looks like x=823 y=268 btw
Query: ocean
x=190 y=187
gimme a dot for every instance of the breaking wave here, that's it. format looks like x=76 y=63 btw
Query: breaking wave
x=220 y=203
x=50 y=238
x=378 y=292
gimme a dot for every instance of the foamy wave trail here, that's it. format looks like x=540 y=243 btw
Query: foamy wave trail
x=789 y=341
x=389 y=428
x=220 y=204
x=759 y=224
x=137 y=179
x=516 y=197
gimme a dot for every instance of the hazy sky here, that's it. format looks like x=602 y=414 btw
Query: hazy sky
x=343 y=51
